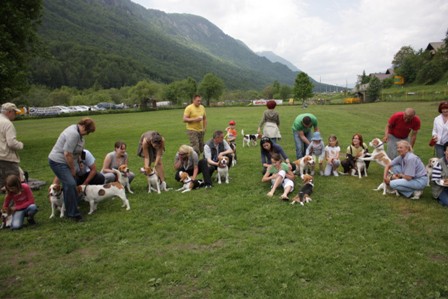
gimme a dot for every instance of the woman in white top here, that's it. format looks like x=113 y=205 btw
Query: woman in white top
x=440 y=129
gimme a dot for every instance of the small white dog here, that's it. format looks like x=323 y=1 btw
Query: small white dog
x=361 y=166
x=304 y=165
x=430 y=166
x=378 y=155
x=188 y=183
x=124 y=179
x=56 y=197
x=153 y=180
x=386 y=189
x=93 y=194
x=223 y=169
x=250 y=139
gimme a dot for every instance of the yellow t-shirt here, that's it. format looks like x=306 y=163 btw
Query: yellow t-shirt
x=191 y=111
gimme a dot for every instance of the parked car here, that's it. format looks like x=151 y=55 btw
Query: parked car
x=106 y=105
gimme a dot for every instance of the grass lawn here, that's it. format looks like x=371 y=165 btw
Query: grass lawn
x=231 y=241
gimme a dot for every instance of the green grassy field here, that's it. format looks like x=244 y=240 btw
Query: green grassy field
x=231 y=241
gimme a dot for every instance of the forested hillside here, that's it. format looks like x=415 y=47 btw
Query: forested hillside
x=112 y=43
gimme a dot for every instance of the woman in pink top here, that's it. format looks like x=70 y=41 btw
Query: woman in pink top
x=21 y=195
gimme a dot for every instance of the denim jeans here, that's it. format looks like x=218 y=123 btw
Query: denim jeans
x=406 y=187
x=62 y=171
x=300 y=146
x=443 y=197
x=19 y=216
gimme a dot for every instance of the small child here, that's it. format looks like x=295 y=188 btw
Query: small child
x=231 y=138
x=279 y=174
x=332 y=156
x=316 y=149
x=21 y=195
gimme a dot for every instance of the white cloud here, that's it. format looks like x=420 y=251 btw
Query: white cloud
x=332 y=41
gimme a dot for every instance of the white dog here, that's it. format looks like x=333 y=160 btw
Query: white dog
x=56 y=197
x=379 y=154
x=223 y=169
x=188 y=183
x=124 y=179
x=93 y=194
x=361 y=166
x=386 y=189
x=250 y=139
x=430 y=166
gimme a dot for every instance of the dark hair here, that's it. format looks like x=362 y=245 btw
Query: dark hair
x=13 y=181
x=276 y=156
x=265 y=140
x=306 y=120
x=361 y=141
x=119 y=144
x=217 y=133
x=445 y=146
x=88 y=123
x=156 y=137
x=443 y=105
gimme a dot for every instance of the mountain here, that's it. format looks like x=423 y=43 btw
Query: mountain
x=275 y=58
x=115 y=43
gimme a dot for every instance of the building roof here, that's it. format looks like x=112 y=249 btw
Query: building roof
x=434 y=46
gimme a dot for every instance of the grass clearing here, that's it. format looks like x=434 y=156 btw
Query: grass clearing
x=231 y=241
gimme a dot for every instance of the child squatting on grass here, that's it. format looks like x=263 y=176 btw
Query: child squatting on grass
x=316 y=149
x=21 y=195
x=279 y=173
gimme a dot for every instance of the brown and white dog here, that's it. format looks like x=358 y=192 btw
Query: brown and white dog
x=188 y=183
x=306 y=190
x=304 y=165
x=93 y=194
x=386 y=189
x=430 y=166
x=6 y=218
x=153 y=180
x=124 y=178
x=223 y=169
x=361 y=166
x=250 y=139
x=378 y=155
x=56 y=197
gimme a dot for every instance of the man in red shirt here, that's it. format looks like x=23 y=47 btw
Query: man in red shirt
x=401 y=126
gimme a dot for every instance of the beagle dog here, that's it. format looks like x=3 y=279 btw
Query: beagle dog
x=56 y=197
x=430 y=166
x=386 y=189
x=6 y=217
x=124 y=178
x=304 y=165
x=93 y=194
x=306 y=190
x=188 y=183
x=153 y=179
x=378 y=155
x=250 y=139
x=223 y=169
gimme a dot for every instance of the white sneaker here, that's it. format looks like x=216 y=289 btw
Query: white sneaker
x=321 y=173
x=335 y=173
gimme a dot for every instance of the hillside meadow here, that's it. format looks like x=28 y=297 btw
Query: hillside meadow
x=231 y=241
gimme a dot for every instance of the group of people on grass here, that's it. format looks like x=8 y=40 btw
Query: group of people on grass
x=73 y=164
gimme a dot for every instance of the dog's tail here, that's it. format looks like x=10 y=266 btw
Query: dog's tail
x=242 y=132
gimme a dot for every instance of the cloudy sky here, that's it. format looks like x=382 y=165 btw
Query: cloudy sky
x=333 y=41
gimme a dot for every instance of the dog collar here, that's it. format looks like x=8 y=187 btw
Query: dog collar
x=379 y=145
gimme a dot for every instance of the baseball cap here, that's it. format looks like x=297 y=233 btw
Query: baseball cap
x=9 y=107
x=232 y=123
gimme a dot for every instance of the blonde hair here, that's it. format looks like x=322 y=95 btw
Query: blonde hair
x=185 y=149
x=406 y=144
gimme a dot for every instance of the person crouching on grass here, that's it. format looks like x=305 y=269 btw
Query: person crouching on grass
x=21 y=195
x=279 y=173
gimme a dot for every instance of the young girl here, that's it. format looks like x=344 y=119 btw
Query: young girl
x=355 y=150
x=21 y=195
x=231 y=134
x=279 y=173
x=316 y=149
x=332 y=156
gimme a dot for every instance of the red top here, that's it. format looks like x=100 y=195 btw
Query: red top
x=399 y=128
x=21 y=200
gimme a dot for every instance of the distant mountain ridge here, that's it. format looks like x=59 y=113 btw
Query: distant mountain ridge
x=275 y=58
x=113 y=43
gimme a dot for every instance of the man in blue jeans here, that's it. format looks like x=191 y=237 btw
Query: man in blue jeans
x=301 y=130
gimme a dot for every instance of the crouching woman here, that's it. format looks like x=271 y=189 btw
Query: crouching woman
x=439 y=178
x=409 y=176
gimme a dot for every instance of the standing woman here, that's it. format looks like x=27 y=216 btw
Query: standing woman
x=62 y=159
x=270 y=122
x=440 y=129
x=151 y=148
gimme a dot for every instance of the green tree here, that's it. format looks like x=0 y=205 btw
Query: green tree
x=303 y=88
x=364 y=78
x=143 y=92
x=374 y=90
x=18 y=43
x=211 y=87
x=285 y=92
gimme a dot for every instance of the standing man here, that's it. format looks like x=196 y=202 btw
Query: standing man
x=401 y=126
x=301 y=130
x=214 y=150
x=9 y=145
x=195 y=118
